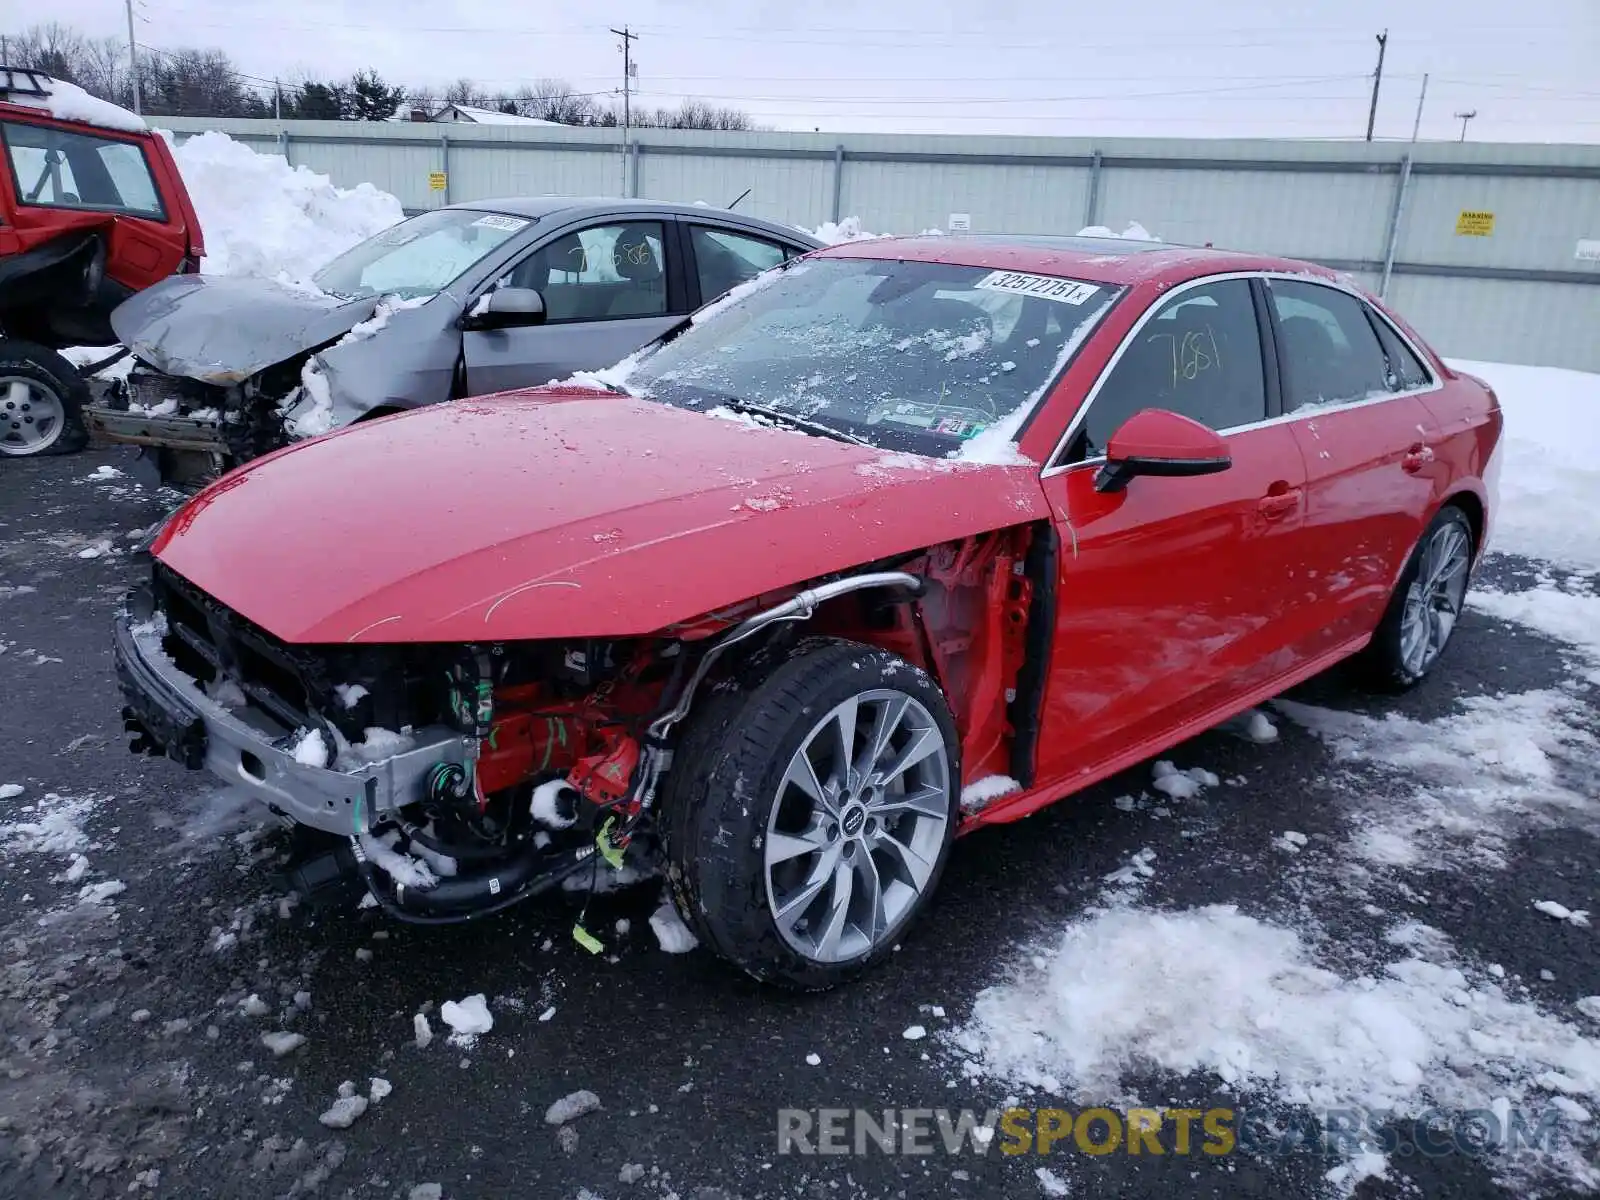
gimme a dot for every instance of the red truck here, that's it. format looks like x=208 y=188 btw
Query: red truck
x=92 y=210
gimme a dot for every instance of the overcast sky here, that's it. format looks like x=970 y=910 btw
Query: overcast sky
x=1122 y=68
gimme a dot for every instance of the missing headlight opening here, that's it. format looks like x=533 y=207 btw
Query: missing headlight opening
x=454 y=781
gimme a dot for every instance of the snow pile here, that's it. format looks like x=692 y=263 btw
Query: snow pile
x=260 y=216
x=309 y=748
x=53 y=826
x=467 y=1019
x=1569 y=614
x=980 y=793
x=402 y=868
x=1422 y=1031
x=1550 y=461
x=671 y=933
x=848 y=230
x=1135 y=232
x=69 y=102
x=1482 y=773
x=1181 y=785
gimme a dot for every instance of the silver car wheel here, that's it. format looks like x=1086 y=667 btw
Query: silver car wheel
x=857 y=826
x=1433 y=601
x=32 y=416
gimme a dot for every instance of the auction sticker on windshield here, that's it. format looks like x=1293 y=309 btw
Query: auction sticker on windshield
x=1046 y=288
x=495 y=221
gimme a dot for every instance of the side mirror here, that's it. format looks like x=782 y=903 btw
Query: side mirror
x=1155 y=441
x=505 y=308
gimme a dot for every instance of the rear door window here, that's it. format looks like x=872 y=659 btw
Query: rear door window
x=52 y=168
x=1329 y=352
x=1200 y=355
x=724 y=259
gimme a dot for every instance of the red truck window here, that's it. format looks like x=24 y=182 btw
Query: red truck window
x=54 y=168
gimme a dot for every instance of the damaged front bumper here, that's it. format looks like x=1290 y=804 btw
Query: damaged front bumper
x=171 y=431
x=170 y=712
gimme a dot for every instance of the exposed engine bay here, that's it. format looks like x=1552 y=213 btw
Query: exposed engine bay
x=455 y=780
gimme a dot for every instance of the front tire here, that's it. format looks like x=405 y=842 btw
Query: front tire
x=808 y=818
x=1425 y=607
x=41 y=402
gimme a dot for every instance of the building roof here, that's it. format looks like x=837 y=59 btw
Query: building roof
x=493 y=116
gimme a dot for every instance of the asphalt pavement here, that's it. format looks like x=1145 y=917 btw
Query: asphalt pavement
x=131 y=1059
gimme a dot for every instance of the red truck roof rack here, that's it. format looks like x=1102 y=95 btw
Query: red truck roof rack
x=23 y=81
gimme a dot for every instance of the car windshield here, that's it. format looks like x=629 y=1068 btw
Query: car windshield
x=420 y=257
x=907 y=356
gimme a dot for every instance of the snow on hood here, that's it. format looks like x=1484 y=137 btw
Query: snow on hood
x=222 y=330
x=69 y=102
x=544 y=514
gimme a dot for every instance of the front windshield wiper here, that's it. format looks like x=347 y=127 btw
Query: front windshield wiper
x=783 y=418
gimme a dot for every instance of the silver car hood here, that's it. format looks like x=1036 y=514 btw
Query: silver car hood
x=222 y=329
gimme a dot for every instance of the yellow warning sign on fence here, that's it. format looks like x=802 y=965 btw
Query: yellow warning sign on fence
x=437 y=180
x=1475 y=224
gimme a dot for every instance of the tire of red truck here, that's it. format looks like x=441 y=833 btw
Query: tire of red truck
x=41 y=402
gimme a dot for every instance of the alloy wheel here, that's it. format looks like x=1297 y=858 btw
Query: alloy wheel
x=32 y=416
x=1433 y=601
x=857 y=826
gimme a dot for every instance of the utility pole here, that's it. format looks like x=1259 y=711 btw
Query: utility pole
x=1377 y=81
x=627 y=83
x=1421 y=97
x=1464 y=117
x=277 y=100
x=133 y=57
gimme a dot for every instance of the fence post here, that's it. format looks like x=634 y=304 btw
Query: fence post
x=1091 y=205
x=283 y=145
x=633 y=169
x=444 y=163
x=838 y=180
x=1396 y=215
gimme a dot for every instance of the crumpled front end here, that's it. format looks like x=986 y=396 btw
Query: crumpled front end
x=229 y=369
x=450 y=779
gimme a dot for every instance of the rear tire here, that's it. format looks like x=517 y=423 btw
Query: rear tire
x=1426 y=605
x=41 y=402
x=808 y=884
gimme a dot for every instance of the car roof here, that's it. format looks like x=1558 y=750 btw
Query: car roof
x=538 y=207
x=1109 y=260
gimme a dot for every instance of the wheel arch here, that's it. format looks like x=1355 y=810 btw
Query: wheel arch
x=1476 y=509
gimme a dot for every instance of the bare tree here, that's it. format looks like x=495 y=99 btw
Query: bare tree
x=464 y=91
x=556 y=100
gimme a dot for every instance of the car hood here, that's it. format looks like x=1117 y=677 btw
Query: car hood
x=559 y=513
x=222 y=329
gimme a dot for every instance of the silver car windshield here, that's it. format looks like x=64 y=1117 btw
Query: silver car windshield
x=914 y=356
x=420 y=257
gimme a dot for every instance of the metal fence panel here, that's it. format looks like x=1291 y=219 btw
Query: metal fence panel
x=1544 y=324
x=1304 y=215
x=1484 y=248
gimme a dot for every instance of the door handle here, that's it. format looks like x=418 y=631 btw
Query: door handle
x=1415 y=458
x=1278 y=503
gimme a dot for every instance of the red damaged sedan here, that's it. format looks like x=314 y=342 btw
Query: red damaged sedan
x=903 y=538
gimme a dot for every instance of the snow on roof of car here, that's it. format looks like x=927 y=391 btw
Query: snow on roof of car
x=68 y=102
x=1109 y=260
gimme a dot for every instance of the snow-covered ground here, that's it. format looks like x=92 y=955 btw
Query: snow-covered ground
x=1552 y=461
